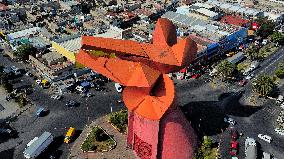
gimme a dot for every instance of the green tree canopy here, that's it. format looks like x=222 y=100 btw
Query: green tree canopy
x=279 y=72
x=225 y=69
x=24 y=51
x=266 y=27
x=252 y=52
x=277 y=37
x=263 y=85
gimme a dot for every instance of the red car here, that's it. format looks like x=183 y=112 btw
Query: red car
x=243 y=82
x=195 y=76
x=234 y=148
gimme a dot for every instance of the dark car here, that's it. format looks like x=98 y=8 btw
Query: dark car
x=71 y=103
x=6 y=132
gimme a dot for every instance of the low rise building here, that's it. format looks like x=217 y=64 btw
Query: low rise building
x=52 y=66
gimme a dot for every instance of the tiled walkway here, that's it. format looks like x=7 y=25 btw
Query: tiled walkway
x=119 y=152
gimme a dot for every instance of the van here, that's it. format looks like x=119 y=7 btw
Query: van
x=265 y=137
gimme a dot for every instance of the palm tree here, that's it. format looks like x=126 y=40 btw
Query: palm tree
x=252 y=52
x=225 y=69
x=263 y=85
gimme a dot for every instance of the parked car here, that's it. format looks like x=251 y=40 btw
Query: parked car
x=243 y=82
x=234 y=148
x=56 y=96
x=265 y=137
x=264 y=41
x=282 y=105
x=230 y=121
x=40 y=111
x=71 y=103
x=249 y=77
x=29 y=74
x=195 y=76
x=279 y=131
x=6 y=132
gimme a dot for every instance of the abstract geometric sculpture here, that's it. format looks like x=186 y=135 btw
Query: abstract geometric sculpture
x=156 y=126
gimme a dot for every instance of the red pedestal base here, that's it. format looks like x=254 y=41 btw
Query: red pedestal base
x=170 y=138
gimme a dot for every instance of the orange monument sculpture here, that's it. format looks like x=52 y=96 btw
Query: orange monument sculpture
x=156 y=126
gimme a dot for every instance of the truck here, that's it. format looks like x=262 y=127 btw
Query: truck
x=250 y=148
x=37 y=145
x=70 y=133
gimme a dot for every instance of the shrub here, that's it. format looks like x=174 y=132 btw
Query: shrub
x=279 y=73
x=119 y=120
x=97 y=140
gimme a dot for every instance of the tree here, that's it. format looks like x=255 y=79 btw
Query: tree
x=3 y=78
x=280 y=70
x=241 y=67
x=263 y=85
x=277 y=37
x=252 y=52
x=24 y=51
x=266 y=27
x=8 y=87
x=279 y=73
x=21 y=100
x=225 y=69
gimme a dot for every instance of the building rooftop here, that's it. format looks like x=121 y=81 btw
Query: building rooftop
x=234 y=20
x=23 y=33
x=52 y=56
x=72 y=45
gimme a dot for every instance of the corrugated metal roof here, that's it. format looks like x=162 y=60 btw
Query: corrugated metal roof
x=207 y=12
x=22 y=33
x=72 y=45
x=33 y=147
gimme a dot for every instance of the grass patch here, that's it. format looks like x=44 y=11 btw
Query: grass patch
x=97 y=140
x=119 y=120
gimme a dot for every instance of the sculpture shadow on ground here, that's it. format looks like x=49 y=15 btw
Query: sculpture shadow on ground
x=7 y=154
x=207 y=117
x=52 y=149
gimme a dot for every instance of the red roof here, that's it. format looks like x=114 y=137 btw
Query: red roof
x=234 y=20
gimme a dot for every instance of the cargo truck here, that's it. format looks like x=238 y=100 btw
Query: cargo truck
x=37 y=145
x=70 y=133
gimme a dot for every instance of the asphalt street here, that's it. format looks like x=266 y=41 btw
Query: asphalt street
x=203 y=105
x=60 y=117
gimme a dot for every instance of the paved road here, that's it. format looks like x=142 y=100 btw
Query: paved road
x=59 y=119
x=204 y=106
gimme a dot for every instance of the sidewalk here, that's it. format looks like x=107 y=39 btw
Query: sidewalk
x=10 y=107
x=119 y=152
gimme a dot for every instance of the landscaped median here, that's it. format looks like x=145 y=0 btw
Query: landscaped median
x=98 y=140
x=119 y=120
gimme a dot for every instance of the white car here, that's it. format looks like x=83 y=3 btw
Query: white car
x=230 y=121
x=249 y=77
x=265 y=137
x=58 y=97
x=279 y=131
x=282 y=105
